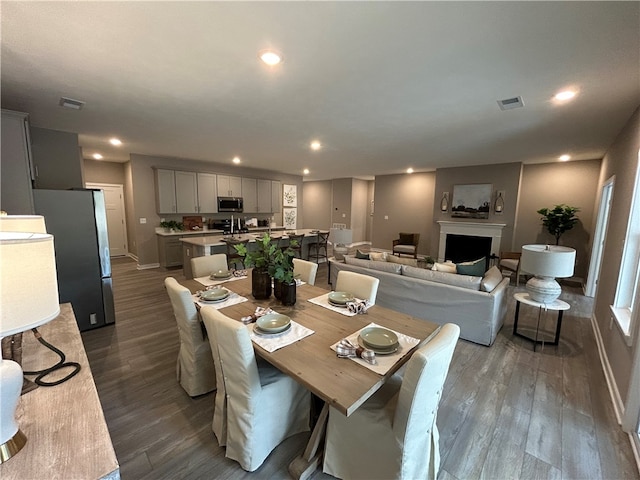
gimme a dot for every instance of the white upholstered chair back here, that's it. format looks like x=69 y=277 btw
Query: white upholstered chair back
x=305 y=271
x=204 y=266
x=264 y=405
x=361 y=286
x=194 y=369
x=219 y=424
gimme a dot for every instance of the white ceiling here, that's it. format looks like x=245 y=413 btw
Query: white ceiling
x=383 y=85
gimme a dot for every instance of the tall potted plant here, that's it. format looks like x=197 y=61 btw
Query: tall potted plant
x=559 y=219
x=261 y=259
x=283 y=276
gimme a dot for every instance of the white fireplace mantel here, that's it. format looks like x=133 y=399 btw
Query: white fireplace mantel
x=474 y=229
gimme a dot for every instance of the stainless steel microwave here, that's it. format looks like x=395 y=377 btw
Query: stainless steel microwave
x=229 y=204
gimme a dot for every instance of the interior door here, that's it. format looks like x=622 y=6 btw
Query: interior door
x=116 y=225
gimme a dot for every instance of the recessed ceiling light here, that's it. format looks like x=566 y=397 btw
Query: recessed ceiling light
x=236 y=160
x=270 y=57
x=565 y=95
x=97 y=156
x=306 y=171
x=115 y=141
x=409 y=170
x=71 y=103
x=316 y=145
x=564 y=158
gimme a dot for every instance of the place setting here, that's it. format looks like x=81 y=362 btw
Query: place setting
x=272 y=330
x=375 y=347
x=219 y=277
x=217 y=297
x=344 y=303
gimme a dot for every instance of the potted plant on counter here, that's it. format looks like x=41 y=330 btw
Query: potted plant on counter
x=284 y=282
x=261 y=259
x=171 y=226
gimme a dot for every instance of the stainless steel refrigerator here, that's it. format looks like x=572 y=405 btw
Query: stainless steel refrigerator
x=77 y=219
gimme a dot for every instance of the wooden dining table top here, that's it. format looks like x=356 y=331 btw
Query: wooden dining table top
x=341 y=382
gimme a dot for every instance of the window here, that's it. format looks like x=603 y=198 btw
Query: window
x=624 y=302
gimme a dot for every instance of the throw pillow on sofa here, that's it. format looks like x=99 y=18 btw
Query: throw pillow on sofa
x=491 y=279
x=362 y=255
x=464 y=281
x=381 y=266
x=475 y=268
x=378 y=256
x=402 y=260
x=447 y=266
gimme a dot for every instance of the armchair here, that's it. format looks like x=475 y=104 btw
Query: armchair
x=510 y=261
x=407 y=244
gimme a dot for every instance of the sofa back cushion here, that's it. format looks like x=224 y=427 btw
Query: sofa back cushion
x=491 y=279
x=402 y=261
x=372 y=264
x=378 y=256
x=464 y=281
x=447 y=266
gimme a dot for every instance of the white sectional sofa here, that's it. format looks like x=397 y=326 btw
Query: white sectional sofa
x=477 y=305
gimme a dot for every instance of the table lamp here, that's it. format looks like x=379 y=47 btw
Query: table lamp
x=546 y=263
x=28 y=299
x=22 y=223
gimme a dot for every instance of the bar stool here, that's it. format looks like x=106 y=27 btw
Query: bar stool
x=233 y=257
x=318 y=249
x=297 y=249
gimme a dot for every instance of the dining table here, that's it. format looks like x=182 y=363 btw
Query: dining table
x=341 y=383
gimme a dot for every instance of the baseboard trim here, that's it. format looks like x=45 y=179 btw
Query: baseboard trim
x=618 y=404
x=132 y=256
x=148 y=266
x=635 y=446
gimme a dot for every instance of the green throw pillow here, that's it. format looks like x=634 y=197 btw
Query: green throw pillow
x=475 y=268
x=362 y=255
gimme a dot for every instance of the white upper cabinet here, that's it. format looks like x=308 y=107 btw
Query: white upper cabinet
x=229 y=186
x=166 y=191
x=207 y=193
x=276 y=196
x=186 y=192
x=249 y=195
x=264 y=196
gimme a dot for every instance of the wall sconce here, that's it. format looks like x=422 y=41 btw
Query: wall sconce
x=444 y=203
x=498 y=205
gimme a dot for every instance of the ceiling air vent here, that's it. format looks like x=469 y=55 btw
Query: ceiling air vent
x=509 y=103
x=71 y=103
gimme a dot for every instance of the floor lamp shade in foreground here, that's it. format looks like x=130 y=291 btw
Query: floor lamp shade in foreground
x=28 y=299
x=546 y=263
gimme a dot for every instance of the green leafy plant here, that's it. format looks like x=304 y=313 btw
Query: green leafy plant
x=261 y=257
x=559 y=219
x=283 y=264
x=172 y=224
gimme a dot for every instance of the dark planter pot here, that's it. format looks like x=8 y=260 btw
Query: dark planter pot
x=277 y=288
x=288 y=295
x=260 y=284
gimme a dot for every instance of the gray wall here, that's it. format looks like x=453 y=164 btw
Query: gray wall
x=407 y=200
x=550 y=184
x=57 y=159
x=104 y=172
x=620 y=161
x=144 y=197
x=341 y=190
x=316 y=197
x=359 y=210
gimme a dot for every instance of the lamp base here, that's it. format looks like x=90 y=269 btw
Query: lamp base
x=543 y=289
x=12 y=446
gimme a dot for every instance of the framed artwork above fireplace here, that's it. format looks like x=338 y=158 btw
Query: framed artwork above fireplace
x=471 y=201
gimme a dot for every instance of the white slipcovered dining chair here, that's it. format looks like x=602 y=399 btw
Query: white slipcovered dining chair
x=263 y=405
x=194 y=368
x=394 y=433
x=204 y=266
x=361 y=286
x=305 y=271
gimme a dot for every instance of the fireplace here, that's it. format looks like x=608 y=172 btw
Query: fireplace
x=481 y=239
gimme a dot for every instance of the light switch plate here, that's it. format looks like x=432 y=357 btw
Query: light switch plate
x=143 y=220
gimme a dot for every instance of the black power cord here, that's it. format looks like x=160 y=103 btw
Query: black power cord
x=61 y=364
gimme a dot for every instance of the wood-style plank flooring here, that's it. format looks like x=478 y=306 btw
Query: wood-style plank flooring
x=506 y=412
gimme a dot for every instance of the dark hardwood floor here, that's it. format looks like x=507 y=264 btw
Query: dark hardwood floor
x=506 y=412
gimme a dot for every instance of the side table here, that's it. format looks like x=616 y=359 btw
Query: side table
x=556 y=305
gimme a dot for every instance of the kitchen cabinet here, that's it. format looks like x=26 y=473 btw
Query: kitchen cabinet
x=264 y=196
x=250 y=195
x=17 y=165
x=170 y=250
x=276 y=196
x=207 y=193
x=186 y=192
x=229 y=186
x=165 y=191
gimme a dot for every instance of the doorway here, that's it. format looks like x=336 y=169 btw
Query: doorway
x=599 y=237
x=116 y=222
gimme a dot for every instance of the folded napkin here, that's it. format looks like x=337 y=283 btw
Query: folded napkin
x=271 y=343
x=260 y=311
x=358 y=306
x=209 y=282
x=346 y=349
x=232 y=299
x=384 y=363
x=323 y=301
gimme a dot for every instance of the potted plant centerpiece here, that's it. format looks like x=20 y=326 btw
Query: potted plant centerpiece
x=261 y=259
x=284 y=281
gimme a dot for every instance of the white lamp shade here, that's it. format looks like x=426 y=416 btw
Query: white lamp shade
x=548 y=260
x=22 y=223
x=28 y=281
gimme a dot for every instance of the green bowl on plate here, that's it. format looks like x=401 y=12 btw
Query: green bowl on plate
x=341 y=298
x=273 y=322
x=214 y=295
x=220 y=274
x=379 y=338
